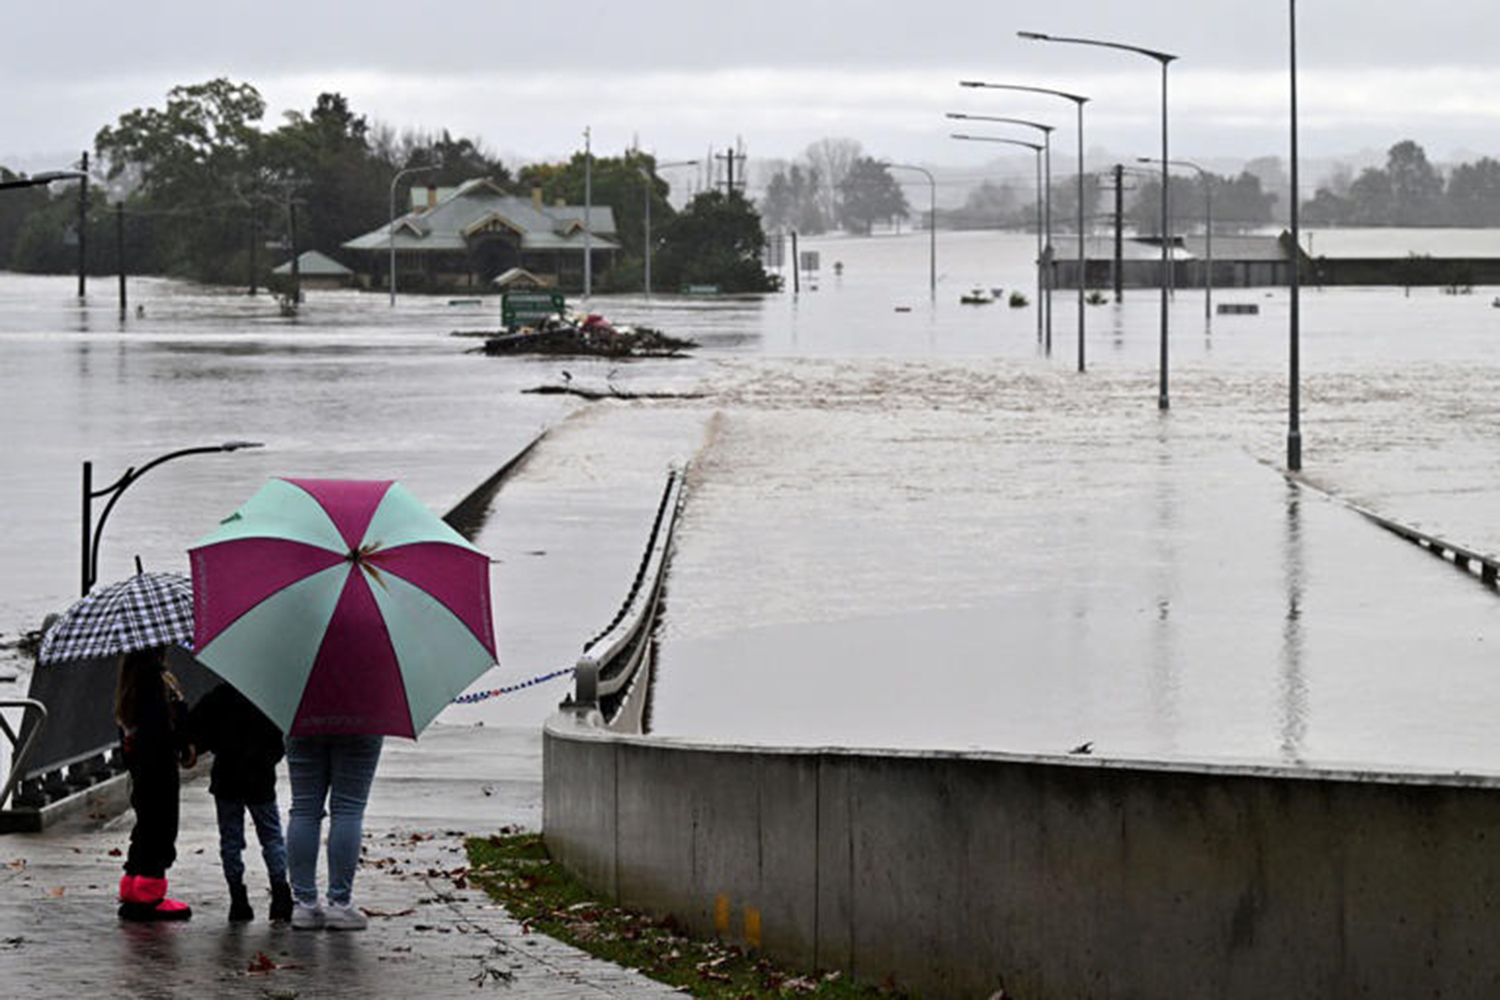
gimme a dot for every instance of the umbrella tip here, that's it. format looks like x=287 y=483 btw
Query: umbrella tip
x=139 y=569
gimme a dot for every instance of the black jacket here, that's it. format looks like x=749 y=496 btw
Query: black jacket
x=246 y=745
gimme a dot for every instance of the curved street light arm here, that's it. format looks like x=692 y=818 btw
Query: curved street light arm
x=117 y=489
x=391 y=229
x=1006 y=121
x=1037 y=36
x=931 y=221
x=1078 y=102
x=1075 y=98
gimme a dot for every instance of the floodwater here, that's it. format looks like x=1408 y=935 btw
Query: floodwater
x=907 y=525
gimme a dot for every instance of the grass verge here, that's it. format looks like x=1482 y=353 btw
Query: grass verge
x=516 y=871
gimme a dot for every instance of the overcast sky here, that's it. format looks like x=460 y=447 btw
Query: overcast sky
x=681 y=76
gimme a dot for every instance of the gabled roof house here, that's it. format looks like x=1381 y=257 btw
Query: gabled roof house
x=465 y=236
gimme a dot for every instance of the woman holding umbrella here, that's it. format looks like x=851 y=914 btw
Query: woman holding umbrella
x=346 y=611
x=337 y=770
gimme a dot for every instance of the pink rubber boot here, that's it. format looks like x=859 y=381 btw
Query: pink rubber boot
x=146 y=899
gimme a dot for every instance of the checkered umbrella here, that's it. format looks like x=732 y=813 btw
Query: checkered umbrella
x=146 y=610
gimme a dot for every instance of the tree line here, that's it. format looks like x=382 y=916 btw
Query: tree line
x=1409 y=191
x=823 y=190
x=199 y=189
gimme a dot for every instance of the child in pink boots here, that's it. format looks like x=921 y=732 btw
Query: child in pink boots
x=147 y=704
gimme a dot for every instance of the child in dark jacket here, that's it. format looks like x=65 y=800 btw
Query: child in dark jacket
x=246 y=747
x=147 y=710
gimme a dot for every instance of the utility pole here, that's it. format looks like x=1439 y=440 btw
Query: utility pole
x=729 y=156
x=588 y=205
x=120 y=250
x=1119 y=232
x=291 y=212
x=83 y=226
x=254 y=239
x=1118 y=173
x=796 y=267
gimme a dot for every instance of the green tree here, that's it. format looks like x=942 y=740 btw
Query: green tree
x=1238 y=203
x=1372 y=202
x=716 y=240
x=1327 y=208
x=869 y=193
x=990 y=206
x=195 y=165
x=325 y=157
x=1416 y=186
x=829 y=161
x=17 y=205
x=1473 y=197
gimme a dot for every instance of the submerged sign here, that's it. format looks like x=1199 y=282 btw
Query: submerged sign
x=519 y=309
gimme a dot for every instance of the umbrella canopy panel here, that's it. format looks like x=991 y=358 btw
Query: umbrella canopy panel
x=139 y=612
x=342 y=606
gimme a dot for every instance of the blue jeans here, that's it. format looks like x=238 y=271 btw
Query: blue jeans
x=338 y=771
x=232 y=838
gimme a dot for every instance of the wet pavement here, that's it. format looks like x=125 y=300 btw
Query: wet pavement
x=566 y=538
x=430 y=933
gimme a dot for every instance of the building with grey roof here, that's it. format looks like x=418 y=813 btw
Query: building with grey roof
x=464 y=237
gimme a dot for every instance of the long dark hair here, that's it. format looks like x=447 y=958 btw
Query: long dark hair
x=139 y=669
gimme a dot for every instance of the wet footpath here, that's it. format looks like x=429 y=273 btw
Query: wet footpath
x=571 y=525
x=431 y=934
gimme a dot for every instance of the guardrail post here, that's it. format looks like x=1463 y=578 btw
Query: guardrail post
x=586 y=683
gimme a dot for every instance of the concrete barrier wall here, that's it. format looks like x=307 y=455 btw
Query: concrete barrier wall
x=955 y=873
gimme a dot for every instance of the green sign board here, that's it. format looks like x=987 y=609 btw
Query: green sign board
x=518 y=309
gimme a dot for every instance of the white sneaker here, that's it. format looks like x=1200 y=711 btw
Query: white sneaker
x=307 y=917
x=344 y=918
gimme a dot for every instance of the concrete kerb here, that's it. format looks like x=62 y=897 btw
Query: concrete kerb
x=430 y=934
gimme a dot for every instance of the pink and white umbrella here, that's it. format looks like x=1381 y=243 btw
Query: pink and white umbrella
x=342 y=606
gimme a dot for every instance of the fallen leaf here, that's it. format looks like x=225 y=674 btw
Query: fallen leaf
x=55 y=893
x=115 y=852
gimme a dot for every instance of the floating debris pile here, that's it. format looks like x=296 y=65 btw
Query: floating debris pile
x=590 y=335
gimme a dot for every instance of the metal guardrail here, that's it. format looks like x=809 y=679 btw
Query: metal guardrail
x=20 y=750
x=1486 y=567
x=618 y=659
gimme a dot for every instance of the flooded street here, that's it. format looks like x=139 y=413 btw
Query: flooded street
x=905 y=526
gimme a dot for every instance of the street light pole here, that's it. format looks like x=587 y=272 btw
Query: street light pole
x=47 y=177
x=931 y=223
x=1294 y=424
x=1037 y=149
x=1079 y=101
x=91 y=533
x=1164 y=58
x=650 y=176
x=391 y=232
x=1044 y=203
x=588 y=204
x=1208 y=237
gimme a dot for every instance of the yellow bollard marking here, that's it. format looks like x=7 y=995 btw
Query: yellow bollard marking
x=752 y=927
x=721 y=913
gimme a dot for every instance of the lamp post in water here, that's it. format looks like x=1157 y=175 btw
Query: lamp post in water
x=391 y=232
x=1044 y=256
x=1164 y=58
x=1294 y=374
x=1208 y=238
x=931 y=222
x=650 y=176
x=1078 y=101
x=47 y=177
x=1036 y=148
x=92 y=532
